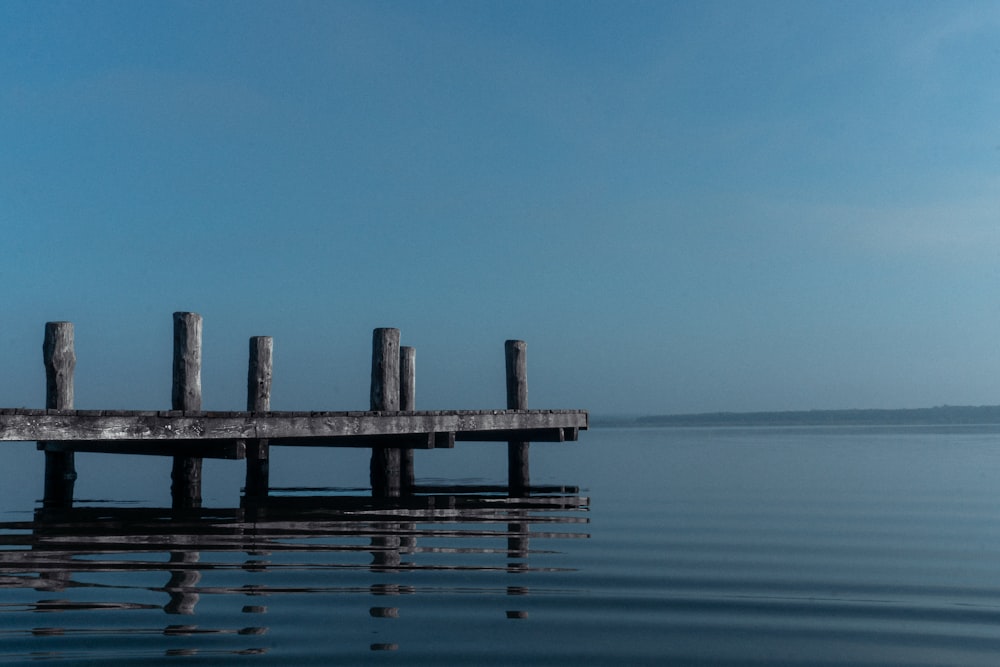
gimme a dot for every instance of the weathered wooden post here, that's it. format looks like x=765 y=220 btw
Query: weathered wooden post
x=385 y=477
x=518 y=474
x=185 y=489
x=259 y=400
x=60 y=361
x=407 y=401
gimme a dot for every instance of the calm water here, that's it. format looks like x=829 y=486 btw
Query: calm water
x=689 y=546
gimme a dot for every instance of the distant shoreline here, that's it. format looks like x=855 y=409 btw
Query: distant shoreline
x=936 y=416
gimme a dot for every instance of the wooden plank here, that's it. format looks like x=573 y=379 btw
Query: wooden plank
x=22 y=425
x=206 y=449
x=19 y=424
x=402 y=441
x=557 y=434
x=238 y=449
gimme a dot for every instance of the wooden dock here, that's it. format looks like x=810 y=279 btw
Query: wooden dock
x=392 y=429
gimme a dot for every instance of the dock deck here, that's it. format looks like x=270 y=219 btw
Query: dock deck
x=224 y=434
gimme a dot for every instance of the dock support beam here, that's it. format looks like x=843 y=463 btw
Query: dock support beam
x=518 y=474
x=185 y=490
x=259 y=400
x=60 y=361
x=385 y=462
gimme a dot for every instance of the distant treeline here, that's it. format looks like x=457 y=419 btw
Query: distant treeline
x=941 y=415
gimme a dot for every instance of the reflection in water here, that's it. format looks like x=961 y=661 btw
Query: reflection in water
x=146 y=568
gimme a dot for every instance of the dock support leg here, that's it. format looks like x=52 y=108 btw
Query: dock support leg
x=385 y=473
x=518 y=473
x=259 y=400
x=185 y=490
x=59 y=357
x=407 y=401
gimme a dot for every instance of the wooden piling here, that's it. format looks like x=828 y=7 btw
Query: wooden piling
x=518 y=473
x=186 y=394
x=60 y=362
x=407 y=402
x=185 y=489
x=385 y=461
x=259 y=374
x=59 y=357
x=259 y=400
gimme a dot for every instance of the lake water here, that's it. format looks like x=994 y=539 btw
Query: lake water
x=682 y=546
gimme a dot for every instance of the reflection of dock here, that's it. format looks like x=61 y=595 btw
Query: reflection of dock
x=80 y=558
x=286 y=523
x=392 y=429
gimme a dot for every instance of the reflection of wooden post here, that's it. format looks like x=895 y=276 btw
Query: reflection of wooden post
x=60 y=361
x=183 y=583
x=517 y=541
x=45 y=525
x=407 y=401
x=186 y=395
x=386 y=556
x=385 y=398
x=518 y=475
x=259 y=400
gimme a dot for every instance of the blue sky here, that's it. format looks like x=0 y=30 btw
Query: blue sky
x=680 y=206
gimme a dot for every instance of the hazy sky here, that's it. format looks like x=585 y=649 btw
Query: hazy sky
x=686 y=206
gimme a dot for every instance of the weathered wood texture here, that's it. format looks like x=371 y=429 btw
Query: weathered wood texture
x=185 y=395
x=518 y=472
x=59 y=357
x=26 y=424
x=222 y=448
x=385 y=461
x=407 y=401
x=385 y=370
x=259 y=372
x=516 y=355
x=259 y=375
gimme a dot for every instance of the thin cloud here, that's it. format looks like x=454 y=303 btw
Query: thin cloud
x=927 y=45
x=959 y=230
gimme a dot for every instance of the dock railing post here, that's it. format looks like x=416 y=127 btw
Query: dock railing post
x=518 y=474
x=259 y=400
x=59 y=357
x=185 y=489
x=407 y=402
x=385 y=473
